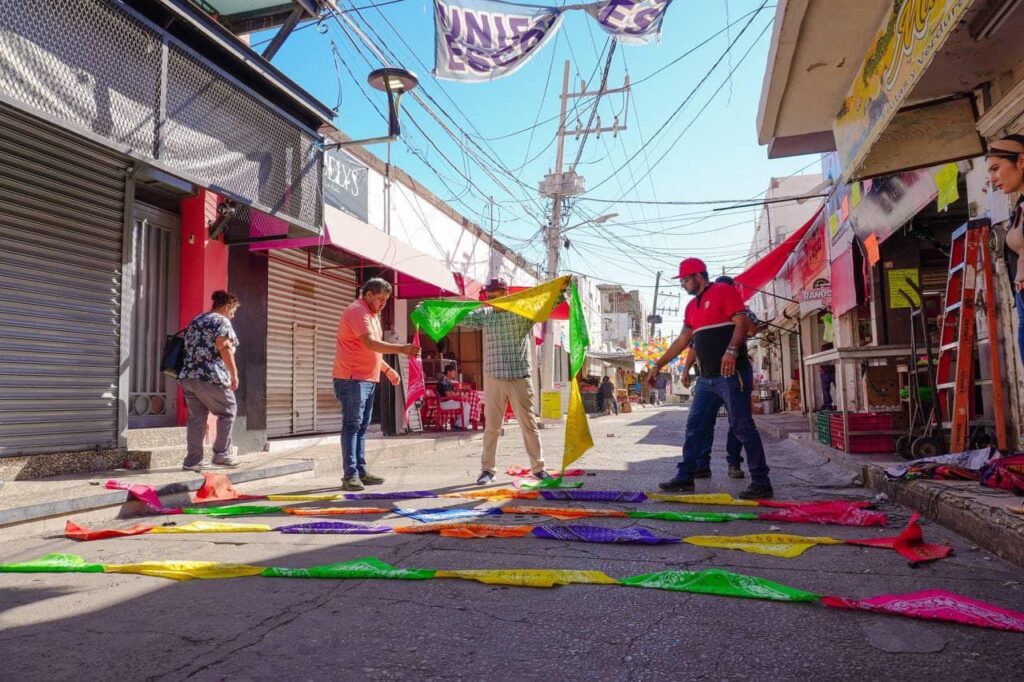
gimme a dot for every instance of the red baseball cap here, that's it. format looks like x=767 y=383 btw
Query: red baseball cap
x=690 y=266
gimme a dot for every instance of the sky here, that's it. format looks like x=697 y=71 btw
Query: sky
x=691 y=132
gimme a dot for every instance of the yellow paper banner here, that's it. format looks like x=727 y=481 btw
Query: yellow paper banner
x=773 y=544
x=186 y=570
x=716 y=498
x=577 y=430
x=497 y=494
x=535 y=303
x=945 y=180
x=214 y=527
x=531 y=577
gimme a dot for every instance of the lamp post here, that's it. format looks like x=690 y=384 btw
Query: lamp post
x=395 y=82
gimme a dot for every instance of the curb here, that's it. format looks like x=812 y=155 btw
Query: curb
x=953 y=505
x=171 y=494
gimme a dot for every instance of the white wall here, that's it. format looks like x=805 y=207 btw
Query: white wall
x=419 y=223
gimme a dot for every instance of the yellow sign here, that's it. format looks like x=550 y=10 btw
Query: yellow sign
x=551 y=405
x=910 y=36
x=898 y=286
x=945 y=180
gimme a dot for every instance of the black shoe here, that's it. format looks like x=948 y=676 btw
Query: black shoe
x=352 y=484
x=677 y=485
x=702 y=472
x=541 y=475
x=736 y=472
x=370 y=479
x=484 y=478
x=757 y=492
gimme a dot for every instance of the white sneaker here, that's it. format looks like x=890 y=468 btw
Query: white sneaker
x=227 y=460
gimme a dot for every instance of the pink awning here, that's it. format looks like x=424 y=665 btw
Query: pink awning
x=417 y=274
x=754 y=278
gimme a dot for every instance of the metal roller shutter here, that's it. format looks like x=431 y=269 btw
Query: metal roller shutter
x=302 y=320
x=62 y=216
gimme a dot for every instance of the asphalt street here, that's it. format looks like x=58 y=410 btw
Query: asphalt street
x=130 y=627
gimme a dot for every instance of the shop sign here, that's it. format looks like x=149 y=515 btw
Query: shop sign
x=888 y=202
x=816 y=297
x=345 y=184
x=910 y=36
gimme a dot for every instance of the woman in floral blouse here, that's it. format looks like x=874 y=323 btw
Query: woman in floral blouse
x=209 y=379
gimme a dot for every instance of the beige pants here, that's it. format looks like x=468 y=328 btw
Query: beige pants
x=519 y=392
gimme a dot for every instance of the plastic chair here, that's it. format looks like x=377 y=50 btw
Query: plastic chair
x=446 y=417
x=428 y=410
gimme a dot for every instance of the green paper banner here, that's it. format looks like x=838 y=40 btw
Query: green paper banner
x=710 y=517
x=53 y=563
x=437 y=318
x=723 y=583
x=239 y=510
x=553 y=482
x=579 y=339
x=367 y=567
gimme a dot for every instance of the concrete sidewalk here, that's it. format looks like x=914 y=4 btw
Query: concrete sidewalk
x=41 y=504
x=978 y=513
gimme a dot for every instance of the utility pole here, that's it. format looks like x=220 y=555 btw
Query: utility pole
x=654 y=309
x=555 y=226
x=559 y=185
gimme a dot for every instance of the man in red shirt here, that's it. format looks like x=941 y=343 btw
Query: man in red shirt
x=717 y=324
x=358 y=364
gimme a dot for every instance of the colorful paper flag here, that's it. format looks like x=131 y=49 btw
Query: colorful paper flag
x=722 y=583
x=334 y=511
x=146 y=494
x=218 y=488
x=827 y=514
x=936 y=605
x=723 y=499
x=909 y=544
x=535 y=303
x=594 y=495
x=577 y=429
x=525 y=577
x=434 y=515
x=53 y=563
x=239 y=510
x=186 y=570
x=579 y=338
x=563 y=512
x=772 y=544
x=333 y=528
x=73 y=531
x=553 y=482
x=437 y=318
x=213 y=527
x=416 y=383
x=700 y=517
x=367 y=567
x=579 y=533
x=483 y=530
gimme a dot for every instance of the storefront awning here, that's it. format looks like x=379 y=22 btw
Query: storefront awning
x=754 y=278
x=417 y=275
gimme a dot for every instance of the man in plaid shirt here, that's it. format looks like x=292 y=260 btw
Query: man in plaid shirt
x=508 y=347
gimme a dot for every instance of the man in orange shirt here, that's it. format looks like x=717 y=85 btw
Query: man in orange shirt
x=358 y=364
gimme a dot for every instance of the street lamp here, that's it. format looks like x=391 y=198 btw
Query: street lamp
x=596 y=221
x=395 y=82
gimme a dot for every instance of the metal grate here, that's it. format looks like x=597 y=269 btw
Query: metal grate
x=91 y=65
x=235 y=143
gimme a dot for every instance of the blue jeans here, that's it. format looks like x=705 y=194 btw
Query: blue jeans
x=827 y=379
x=356 y=398
x=732 y=445
x=708 y=395
x=1019 y=298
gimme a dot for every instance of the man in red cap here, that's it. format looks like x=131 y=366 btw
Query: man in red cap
x=717 y=324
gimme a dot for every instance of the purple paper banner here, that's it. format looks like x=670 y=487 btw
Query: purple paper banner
x=594 y=495
x=334 y=527
x=580 y=533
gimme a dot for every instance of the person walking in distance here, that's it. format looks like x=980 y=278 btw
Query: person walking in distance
x=717 y=324
x=508 y=347
x=209 y=379
x=358 y=364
